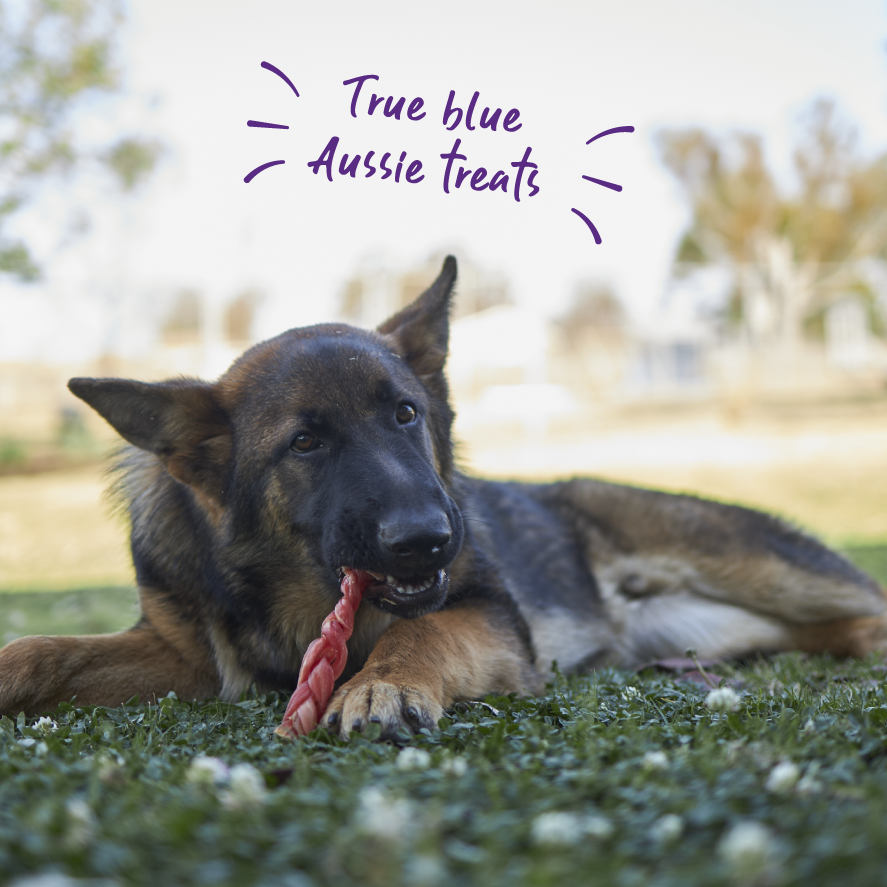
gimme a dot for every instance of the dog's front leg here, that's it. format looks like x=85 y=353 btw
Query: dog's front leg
x=421 y=666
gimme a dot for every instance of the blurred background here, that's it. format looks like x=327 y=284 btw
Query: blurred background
x=727 y=337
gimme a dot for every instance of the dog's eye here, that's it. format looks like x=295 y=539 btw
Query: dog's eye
x=304 y=442
x=405 y=414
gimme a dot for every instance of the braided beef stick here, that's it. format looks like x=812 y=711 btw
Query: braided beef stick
x=324 y=660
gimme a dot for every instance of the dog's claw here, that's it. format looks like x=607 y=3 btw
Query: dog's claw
x=363 y=703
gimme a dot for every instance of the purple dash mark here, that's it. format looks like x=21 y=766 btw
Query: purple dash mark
x=597 y=237
x=264 y=166
x=609 y=185
x=266 y=125
x=269 y=67
x=607 y=132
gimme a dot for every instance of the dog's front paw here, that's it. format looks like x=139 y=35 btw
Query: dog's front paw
x=398 y=709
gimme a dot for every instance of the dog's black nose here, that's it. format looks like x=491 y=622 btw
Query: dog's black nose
x=415 y=541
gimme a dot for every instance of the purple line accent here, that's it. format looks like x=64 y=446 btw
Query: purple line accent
x=269 y=67
x=597 y=237
x=609 y=185
x=608 y=132
x=259 y=169
x=266 y=125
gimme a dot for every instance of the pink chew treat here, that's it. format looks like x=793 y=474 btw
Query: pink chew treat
x=324 y=660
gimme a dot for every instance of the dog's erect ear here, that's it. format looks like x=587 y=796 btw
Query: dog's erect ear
x=181 y=421
x=422 y=329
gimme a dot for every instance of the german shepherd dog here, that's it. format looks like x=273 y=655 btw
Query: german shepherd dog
x=329 y=447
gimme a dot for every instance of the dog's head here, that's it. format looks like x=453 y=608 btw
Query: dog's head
x=331 y=441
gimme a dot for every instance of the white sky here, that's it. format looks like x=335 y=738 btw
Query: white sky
x=193 y=78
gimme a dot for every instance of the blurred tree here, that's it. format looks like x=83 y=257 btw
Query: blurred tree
x=182 y=322
x=240 y=314
x=353 y=298
x=132 y=160
x=372 y=293
x=595 y=308
x=54 y=55
x=790 y=253
x=595 y=330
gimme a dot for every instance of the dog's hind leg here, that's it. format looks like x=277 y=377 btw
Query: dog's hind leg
x=670 y=622
x=677 y=572
x=843 y=637
x=157 y=655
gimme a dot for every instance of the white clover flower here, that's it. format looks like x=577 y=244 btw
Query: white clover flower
x=809 y=784
x=110 y=770
x=81 y=823
x=629 y=693
x=734 y=749
x=411 y=758
x=561 y=828
x=750 y=850
x=655 y=760
x=382 y=815
x=598 y=827
x=557 y=828
x=49 y=879
x=246 y=788
x=424 y=869
x=207 y=771
x=45 y=725
x=783 y=777
x=456 y=766
x=667 y=828
x=723 y=699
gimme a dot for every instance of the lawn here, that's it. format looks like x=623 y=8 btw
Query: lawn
x=616 y=778
x=620 y=778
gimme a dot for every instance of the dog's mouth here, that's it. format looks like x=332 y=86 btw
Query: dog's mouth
x=410 y=592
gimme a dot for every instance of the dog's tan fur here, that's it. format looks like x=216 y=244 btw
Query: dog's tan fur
x=425 y=665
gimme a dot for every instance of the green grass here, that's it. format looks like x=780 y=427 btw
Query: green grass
x=86 y=611
x=348 y=813
x=871 y=558
x=648 y=783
